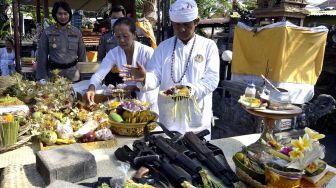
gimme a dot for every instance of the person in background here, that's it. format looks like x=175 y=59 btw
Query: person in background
x=128 y=52
x=7 y=58
x=185 y=59
x=61 y=46
x=108 y=41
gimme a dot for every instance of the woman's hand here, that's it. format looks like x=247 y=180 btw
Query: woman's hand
x=90 y=94
x=130 y=73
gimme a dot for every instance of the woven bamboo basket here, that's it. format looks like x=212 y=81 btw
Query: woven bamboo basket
x=132 y=129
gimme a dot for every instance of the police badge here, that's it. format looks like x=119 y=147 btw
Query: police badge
x=199 y=58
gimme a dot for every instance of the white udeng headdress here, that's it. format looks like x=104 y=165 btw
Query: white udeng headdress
x=183 y=11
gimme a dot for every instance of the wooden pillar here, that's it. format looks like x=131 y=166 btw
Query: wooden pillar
x=15 y=5
x=38 y=12
x=158 y=25
x=133 y=9
x=45 y=9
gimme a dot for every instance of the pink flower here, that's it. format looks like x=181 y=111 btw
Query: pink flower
x=286 y=150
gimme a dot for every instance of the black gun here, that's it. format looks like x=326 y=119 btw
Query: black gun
x=181 y=149
x=206 y=153
x=142 y=155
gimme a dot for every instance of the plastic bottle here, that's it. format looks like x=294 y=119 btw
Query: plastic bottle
x=250 y=90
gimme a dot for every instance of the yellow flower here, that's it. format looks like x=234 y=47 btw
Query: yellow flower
x=295 y=154
x=114 y=104
x=302 y=144
x=313 y=134
x=8 y=118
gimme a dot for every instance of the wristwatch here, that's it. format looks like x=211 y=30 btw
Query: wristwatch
x=139 y=85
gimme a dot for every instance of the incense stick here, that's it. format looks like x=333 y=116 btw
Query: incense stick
x=276 y=89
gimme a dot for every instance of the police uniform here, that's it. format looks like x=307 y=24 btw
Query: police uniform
x=60 y=48
x=108 y=42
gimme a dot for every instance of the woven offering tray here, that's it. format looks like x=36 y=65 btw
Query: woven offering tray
x=131 y=129
x=88 y=145
x=304 y=183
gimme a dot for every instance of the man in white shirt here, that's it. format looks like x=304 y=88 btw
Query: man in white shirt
x=185 y=59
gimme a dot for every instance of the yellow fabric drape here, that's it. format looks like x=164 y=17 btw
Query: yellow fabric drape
x=146 y=26
x=293 y=54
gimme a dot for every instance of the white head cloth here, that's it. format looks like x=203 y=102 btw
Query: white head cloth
x=183 y=11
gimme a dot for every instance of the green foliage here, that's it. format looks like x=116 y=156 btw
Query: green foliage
x=207 y=8
x=4 y=32
x=251 y=4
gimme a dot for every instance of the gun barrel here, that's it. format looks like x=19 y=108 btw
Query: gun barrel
x=179 y=158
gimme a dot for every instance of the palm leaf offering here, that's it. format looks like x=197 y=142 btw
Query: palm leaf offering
x=180 y=94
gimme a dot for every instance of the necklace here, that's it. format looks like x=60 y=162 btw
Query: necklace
x=173 y=62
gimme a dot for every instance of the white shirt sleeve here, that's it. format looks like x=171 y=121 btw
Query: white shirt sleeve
x=153 y=68
x=104 y=68
x=210 y=80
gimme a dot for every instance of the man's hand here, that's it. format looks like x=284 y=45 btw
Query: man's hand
x=130 y=73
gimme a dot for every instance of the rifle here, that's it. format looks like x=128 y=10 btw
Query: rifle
x=142 y=155
x=180 y=149
x=206 y=153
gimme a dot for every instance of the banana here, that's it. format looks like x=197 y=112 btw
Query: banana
x=65 y=141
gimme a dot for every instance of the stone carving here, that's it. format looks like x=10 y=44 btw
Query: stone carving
x=315 y=109
x=230 y=112
x=149 y=11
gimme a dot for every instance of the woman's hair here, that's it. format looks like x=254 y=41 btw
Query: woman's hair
x=10 y=40
x=127 y=21
x=118 y=8
x=61 y=4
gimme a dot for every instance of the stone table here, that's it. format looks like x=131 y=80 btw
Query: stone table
x=107 y=164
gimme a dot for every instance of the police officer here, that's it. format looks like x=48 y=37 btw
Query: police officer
x=61 y=46
x=108 y=42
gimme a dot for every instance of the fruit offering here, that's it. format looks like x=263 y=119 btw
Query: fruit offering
x=116 y=91
x=57 y=120
x=251 y=102
x=130 y=111
x=177 y=91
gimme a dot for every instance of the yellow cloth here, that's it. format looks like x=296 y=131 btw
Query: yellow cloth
x=146 y=26
x=293 y=54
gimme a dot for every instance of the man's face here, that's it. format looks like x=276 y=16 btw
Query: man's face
x=9 y=45
x=116 y=15
x=185 y=31
x=62 y=16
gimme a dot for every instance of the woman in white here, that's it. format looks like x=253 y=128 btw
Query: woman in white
x=128 y=52
x=7 y=57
